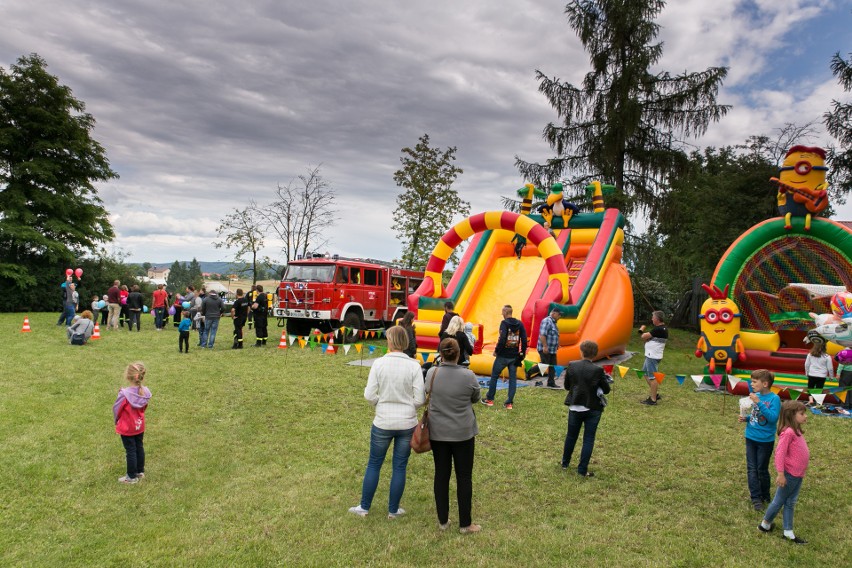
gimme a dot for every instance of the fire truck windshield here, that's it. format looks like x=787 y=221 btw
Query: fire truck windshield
x=309 y=273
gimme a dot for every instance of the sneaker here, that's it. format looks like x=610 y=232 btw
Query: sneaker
x=399 y=512
x=761 y=529
x=587 y=474
x=759 y=506
x=508 y=406
x=140 y=475
x=445 y=526
x=649 y=402
x=357 y=510
x=797 y=540
x=487 y=402
x=129 y=480
x=470 y=529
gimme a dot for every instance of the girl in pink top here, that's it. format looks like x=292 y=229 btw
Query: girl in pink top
x=791 y=462
x=129 y=414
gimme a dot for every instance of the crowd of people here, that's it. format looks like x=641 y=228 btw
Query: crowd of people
x=200 y=311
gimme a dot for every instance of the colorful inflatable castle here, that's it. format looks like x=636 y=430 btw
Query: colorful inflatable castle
x=556 y=258
x=783 y=274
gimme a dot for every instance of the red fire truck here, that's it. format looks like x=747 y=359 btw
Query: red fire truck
x=325 y=292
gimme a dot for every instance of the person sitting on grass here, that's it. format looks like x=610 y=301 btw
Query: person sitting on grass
x=81 y=330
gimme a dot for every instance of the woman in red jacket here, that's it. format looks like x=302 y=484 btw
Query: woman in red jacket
x=129 y=414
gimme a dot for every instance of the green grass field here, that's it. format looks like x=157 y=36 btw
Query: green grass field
x=254 y=456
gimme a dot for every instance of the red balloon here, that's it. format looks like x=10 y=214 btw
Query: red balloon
x=68 y=272
x=79 y=272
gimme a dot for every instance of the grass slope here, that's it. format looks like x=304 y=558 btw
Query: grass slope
x=254 y=457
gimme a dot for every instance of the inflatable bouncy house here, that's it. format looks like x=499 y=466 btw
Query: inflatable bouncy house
x=556 y=257
x=784 y=278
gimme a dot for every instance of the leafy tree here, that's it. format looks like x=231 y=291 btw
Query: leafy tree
x=241 y=230
x=621 y=124
x=194 y=275
x=838 y=122
x=426 y=208
x=178 y=278
x=300 y=214
x=50 y=212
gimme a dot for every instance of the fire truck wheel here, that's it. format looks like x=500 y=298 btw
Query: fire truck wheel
x=352 y=321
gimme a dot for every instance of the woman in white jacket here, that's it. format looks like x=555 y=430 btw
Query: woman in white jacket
x=395 y=387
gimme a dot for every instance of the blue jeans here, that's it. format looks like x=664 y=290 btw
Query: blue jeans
x=785 y=497
x=501 y=363
x=758 y=455
x=379 y=443
x=158 y=317
x=590 y=419
x=69 y=312
x=208 y=334
x=650 y=367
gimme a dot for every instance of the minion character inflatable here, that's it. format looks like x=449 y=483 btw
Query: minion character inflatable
x=802 y=190
x=720 y=330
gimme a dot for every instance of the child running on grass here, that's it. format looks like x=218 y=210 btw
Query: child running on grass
x=129 y=414
x=791 y=462
x=760 y=435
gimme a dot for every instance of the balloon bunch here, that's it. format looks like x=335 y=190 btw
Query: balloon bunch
x=69 y=273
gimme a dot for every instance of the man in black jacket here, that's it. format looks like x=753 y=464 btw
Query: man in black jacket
x=585 y=382
x=510 y=351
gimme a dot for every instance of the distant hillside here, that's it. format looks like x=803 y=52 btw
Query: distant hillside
x=212 y=267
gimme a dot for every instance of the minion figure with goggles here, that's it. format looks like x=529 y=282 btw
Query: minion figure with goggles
x=801 y=184
x=720 y=330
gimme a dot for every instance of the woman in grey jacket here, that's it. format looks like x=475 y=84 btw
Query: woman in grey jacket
x=452 y=430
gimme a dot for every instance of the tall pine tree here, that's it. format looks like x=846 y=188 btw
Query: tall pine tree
x=623 y=123
x=838 y=122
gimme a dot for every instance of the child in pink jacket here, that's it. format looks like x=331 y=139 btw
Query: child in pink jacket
x=129 y=414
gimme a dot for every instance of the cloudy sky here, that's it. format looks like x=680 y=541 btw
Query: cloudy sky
x=204 y=105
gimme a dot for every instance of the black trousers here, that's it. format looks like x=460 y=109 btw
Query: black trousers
x=183 y=341
x=135 y=452
x=260 y=329
x=238 y=332
x=445 y=455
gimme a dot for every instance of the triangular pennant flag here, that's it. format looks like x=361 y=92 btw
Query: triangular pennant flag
x=814 y=391
x=733 y=381
x=608 y=369
x=346 y=347
x=381 y=333
x=697 y=379
x=659 y=377
x=559 y=369
x=372 y=349
x=623 y=370
x=819 y=398
x=324 y=347
x=543 y=367
x=424 y=356
x=342 y=329
x=680 y=379
x=776 y=390
x=842 y=396
x=292 y=339
x=717 y=380
x=358 y=347
x=302 y=342
x=640 y=374
x=528 y=365
x=311 y=344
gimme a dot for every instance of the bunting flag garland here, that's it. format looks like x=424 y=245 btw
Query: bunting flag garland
x=814 y=391
x=680 y=379
x=371 y=348
x=424 y=356
x=733 y=381
x=559 y=369
x=717 y=380
x=658 y=376
x=346 y=347
x=292 y=339
x=543 y=367
x=608 y=369
x=324 y=347
x=819 y=397
x=697 y=379
x=623 y=370
x=842 y=396
x=302 y=342
x=358 y=347
x=640 y=374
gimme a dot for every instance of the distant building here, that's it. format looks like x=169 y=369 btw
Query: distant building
x=156 y=273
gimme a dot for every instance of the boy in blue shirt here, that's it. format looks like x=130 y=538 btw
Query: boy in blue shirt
x=760 y=435
x=183 y=329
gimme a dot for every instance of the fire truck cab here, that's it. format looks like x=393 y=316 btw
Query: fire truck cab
x=325 y=293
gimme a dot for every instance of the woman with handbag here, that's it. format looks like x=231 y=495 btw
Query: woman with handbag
x=453 y=429
x=395 y=387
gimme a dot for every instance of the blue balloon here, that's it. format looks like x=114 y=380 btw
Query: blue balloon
x=101 y=304
x=145 y=309
x=186 y=305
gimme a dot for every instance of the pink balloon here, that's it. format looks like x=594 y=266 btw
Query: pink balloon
x=79 y=272
x=68 y=272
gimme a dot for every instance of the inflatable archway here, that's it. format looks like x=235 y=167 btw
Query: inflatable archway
x=777 y=276
x=520 y=224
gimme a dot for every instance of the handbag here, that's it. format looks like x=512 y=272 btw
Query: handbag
x=420 y=441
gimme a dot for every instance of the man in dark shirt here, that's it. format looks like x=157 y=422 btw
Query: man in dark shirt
x=448 y=315
x=239 y=311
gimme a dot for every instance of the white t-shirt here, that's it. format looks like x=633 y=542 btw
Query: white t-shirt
x=655 y=346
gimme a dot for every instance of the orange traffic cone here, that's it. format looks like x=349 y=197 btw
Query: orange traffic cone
x=330 y=350
x=97 y=333
x=26 y=328
x=283 y=343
